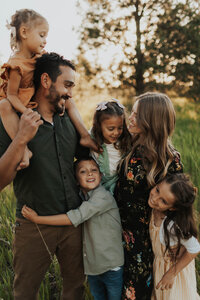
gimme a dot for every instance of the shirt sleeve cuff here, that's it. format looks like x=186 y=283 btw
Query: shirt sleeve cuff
x=75 y=217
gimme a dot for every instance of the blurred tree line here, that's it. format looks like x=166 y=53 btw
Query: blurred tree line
x=156 y=42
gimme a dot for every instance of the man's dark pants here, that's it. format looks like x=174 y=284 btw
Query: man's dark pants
x=31 y=259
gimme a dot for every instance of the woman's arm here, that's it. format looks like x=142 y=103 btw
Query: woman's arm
x=31 y=215
x=168 y=278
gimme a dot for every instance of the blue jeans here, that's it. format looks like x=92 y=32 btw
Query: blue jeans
x=107 y=286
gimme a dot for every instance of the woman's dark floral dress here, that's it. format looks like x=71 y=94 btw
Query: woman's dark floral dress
x=132 y=195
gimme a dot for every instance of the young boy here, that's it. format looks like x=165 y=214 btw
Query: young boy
x=102 y=237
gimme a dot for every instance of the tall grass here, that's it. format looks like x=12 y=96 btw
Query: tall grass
x=187 y=141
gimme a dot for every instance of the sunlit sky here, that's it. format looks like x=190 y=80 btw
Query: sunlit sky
x=61 y=15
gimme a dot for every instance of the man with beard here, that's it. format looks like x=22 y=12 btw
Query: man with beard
x=48 y=186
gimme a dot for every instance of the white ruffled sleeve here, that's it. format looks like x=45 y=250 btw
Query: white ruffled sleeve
x=192 y=245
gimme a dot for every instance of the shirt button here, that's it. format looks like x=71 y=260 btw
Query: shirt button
x=64 y=177
x=84 y=254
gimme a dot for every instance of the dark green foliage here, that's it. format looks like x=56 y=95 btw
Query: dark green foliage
x=157 y=44
x=175 y=48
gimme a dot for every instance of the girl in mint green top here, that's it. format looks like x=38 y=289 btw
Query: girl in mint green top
x=112 y=136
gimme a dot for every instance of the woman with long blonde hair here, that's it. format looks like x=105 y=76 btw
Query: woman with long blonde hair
x=152 y=122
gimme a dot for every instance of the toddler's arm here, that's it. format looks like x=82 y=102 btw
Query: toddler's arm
x=31 y=215
x=168 y=278
x=12 y=91
x=85 y=140
x=8 y=115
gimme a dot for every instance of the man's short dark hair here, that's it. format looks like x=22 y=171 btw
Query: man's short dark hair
x=50 y=63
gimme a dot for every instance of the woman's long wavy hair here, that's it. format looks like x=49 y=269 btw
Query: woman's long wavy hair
x=156 y=121
x=184 y=224
x=112 y=110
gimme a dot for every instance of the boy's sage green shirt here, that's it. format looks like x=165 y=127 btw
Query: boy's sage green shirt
x=48 y=185
x=102 y=232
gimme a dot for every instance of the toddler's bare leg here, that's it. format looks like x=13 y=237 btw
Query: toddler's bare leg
x=9 y=118
x=25 y=162
x=10 y=122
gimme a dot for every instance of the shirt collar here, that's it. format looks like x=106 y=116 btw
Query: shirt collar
x=86 y=196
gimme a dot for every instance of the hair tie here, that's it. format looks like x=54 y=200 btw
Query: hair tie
x=103 y=105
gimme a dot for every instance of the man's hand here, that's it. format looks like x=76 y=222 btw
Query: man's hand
x=10 y=160
x=28 y=125
x=29 y=213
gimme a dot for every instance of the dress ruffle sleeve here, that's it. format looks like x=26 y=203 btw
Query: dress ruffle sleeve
x=25 y=68
x=7 y=67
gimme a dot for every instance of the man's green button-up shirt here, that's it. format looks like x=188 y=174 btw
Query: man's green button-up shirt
x=48 y=185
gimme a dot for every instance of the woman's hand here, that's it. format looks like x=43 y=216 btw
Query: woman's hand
x=29 y=213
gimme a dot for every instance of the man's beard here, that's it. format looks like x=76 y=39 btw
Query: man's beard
x=54 y=98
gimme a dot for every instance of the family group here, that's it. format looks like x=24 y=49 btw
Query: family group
x=113 y=203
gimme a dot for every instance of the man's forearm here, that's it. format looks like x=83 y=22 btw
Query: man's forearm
x=9 y=161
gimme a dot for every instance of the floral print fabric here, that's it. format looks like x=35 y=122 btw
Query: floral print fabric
x=132 y=194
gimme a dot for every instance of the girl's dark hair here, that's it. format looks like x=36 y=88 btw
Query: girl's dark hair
x=23 y=17
x=184 y=224
x=113 y=109
x=49 y=63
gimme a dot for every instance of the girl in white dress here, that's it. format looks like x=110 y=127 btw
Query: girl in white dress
x=174 y=239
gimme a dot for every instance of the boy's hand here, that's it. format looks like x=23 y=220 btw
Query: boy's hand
x=29 y=213
x=166 y=282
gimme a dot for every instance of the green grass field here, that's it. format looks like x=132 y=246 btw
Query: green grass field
x=186 y=139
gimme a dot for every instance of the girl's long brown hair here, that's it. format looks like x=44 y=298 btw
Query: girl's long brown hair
x=156 y=121
x=184 y=224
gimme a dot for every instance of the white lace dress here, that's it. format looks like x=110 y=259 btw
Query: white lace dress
x=184 y=287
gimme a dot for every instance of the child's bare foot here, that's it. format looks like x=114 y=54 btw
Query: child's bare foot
x=24 y=163
x=87 y=141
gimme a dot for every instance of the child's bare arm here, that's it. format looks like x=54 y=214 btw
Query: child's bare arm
x=12 y=91
x=31 y=215
x=9 y=116
x=168 y=278
x=85 y=140
x=75 y=117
